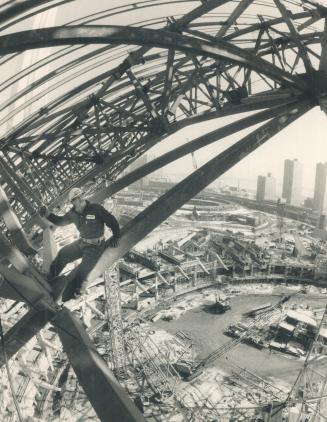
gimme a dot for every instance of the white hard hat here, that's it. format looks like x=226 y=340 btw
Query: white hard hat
x=75 y=193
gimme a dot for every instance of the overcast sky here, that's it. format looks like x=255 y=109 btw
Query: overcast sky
x=305 y=139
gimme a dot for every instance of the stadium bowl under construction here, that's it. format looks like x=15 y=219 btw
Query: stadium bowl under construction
x=208 y=305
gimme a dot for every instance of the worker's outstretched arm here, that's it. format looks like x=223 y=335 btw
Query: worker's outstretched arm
x=58 y=220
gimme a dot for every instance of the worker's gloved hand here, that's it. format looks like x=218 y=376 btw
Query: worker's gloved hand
x=43 y=211
x=113 y=242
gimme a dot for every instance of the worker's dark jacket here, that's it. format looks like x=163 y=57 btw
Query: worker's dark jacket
x=90 y=223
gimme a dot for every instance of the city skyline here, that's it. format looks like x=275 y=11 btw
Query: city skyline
x=303 y=139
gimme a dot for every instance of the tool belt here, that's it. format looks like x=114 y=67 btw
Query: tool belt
x=93 y=241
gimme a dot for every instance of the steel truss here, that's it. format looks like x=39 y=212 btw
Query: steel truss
x=115 y=323
x=109 y=105
x=205 y=65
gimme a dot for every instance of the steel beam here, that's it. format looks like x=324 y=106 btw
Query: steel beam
x=17 y=233
x=255 y=103
x=30 y=324
x=17 y=7
x=109 y=400
x=136 y=56
x=20 y=263
x=136 y=229
x=22 y=286
x=49 y=248
x=20 y=188
x=9 y=292
x=323 y=57
x=13 y=255
x=156 y=213
x=23 y=331
x=220 y=49
x=188 y=148
x=7 y=177
x=240 y=8
x=295 y=35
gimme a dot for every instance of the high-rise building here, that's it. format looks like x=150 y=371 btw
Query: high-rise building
x=139 y=162
x=292 y=182
x=320 y=192
x=266 y=188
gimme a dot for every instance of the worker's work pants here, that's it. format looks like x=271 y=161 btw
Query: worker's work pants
x=78 y=249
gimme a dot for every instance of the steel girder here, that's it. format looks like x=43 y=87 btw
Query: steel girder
x=107 y=130
x=78 y=138
x=84 y=131
x=73 y=336
x=14 y=8
x=107 y=397
x=155 y=214
x=80 y=350
x=188 y=148
x=220 y=49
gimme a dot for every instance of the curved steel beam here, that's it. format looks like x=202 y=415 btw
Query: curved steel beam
x=136 y=229
x=17 y=7
x=220 y=49
x=156 y=213
x=150 y=140
x=269 y=23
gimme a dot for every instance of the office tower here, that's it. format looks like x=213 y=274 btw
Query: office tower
x=266 y=188
x=292 y=182
x=320 y=191
x=139 y=162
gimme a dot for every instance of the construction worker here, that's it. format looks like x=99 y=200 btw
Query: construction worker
x=90 y=220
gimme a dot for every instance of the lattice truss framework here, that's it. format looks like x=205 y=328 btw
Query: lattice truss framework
x=92 y=96
x=107 y=93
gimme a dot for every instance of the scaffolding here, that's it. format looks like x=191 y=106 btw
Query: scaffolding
x=310 y=387
x=115 y=322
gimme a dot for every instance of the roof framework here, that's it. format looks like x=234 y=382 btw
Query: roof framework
x=94 y=93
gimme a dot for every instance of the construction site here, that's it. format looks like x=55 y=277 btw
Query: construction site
x=198 y=305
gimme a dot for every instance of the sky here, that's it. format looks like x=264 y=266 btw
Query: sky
x=305 y=139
